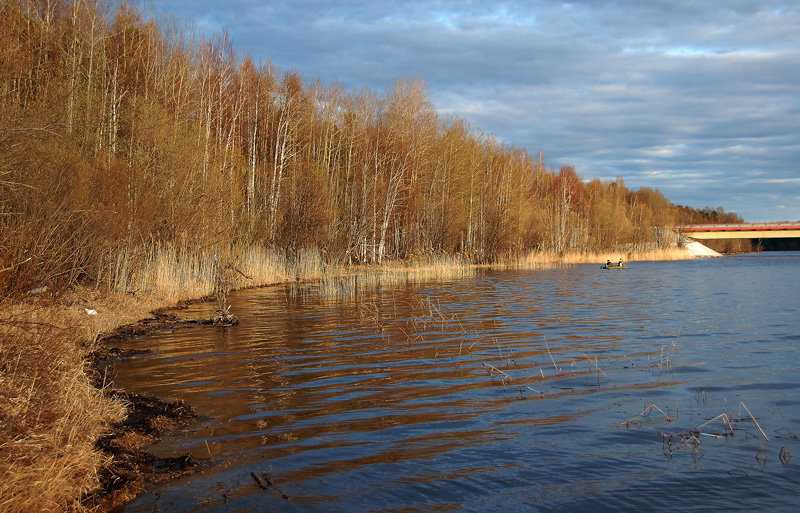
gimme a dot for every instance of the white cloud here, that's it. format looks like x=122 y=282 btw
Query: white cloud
x=698 y=99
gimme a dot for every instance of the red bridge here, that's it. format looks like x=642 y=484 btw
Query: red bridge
x=782 y=230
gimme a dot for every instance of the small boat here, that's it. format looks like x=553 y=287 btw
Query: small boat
x=613 y=266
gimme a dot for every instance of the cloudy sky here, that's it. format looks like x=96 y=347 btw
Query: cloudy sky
x=699 y=99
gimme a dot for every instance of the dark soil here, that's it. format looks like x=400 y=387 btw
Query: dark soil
x=132 y=468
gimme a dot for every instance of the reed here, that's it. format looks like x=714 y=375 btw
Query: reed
x=175 y=272
x=726 y=421
x=645 y=415
x=558 y=370
x=346 y=283
x=181 y=271
x=754 y=420
x=544 y=260
x=492 y=369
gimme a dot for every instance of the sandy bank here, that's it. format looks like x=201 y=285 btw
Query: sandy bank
x=699 y=250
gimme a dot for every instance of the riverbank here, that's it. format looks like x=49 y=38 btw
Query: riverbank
x=70 y=442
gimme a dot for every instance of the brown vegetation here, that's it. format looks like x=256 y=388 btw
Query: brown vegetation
x=139 y=161
x=121 y=135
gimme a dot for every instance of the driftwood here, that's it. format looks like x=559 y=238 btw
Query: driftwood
x=263 y=484
x=265 y=481
x=223 y=318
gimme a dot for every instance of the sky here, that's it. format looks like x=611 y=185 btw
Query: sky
x=698 y=99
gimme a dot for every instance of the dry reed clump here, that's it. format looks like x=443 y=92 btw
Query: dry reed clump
x=343 y=283
x=176 y=272
x=50 y=415
x=538 y=260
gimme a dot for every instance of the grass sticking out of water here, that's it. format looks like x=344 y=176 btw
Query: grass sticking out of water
x=346 y=283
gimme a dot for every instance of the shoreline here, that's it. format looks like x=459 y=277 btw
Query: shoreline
x=164 y=320
x=118 y=465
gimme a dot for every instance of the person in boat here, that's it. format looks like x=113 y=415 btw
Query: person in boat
x=620 y=262
x=608 y=263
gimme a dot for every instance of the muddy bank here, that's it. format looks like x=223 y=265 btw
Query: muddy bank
x=132 y=469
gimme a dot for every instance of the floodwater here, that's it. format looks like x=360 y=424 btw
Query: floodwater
x=667 y=386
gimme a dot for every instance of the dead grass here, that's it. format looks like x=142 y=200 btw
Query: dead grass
x=342 y=283
x=174 y=273
x=51 y=415
x=540 y=260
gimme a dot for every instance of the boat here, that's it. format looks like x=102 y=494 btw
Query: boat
x=613 y=266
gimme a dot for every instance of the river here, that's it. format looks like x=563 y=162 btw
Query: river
x=667 y=386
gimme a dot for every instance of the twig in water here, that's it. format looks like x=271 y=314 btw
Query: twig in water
x=659 y=409
x=725 y=419
x=540 y=393
x=455 y=316
x=493 y=368
x=600 y=370
x=689 y=439
x=761 y=453
x=646 y=412
x=558 y=371
x=500 y=349
x=754 y=420
x=265 y=481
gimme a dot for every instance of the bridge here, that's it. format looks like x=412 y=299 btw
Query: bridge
x=782 y=230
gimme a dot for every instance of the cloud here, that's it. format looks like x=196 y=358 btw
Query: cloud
x=698 y=99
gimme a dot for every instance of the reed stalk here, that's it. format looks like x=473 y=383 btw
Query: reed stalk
x=725 y=421
x=558 y=371
x=754 y=420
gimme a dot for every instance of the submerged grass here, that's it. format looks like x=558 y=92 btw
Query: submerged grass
x=51 y=415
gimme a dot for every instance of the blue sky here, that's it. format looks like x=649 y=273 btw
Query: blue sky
x=700 y=100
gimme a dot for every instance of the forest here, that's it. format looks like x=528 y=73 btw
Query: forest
x=122 y=131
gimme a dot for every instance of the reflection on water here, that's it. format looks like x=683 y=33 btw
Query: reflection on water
x=536 y=391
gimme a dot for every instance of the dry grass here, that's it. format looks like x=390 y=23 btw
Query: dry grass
x=342 y=283
x=51 y=415
x=174 y=273
x=540 y=260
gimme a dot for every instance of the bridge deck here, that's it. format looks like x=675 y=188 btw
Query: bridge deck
x=742 y=231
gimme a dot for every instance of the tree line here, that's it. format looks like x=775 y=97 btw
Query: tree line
x=121 y=130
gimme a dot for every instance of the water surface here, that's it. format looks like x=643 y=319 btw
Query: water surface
x=567 y=389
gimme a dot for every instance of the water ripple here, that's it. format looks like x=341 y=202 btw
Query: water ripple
x=566 y=389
